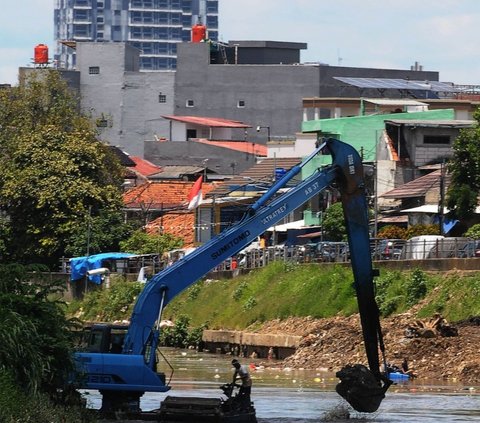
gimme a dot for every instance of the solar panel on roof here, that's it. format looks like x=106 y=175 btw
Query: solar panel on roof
x=398 y=84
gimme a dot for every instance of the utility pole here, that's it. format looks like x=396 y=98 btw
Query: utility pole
x=442 y=198
x=89 y=229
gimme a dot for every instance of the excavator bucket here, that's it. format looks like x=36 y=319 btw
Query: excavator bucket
x=362 y=390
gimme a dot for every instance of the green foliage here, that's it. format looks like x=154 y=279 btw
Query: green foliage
x=334 y=228
x=143 y=243
x=239 y=290
x=16 y=406
x=54 y=172
x=465 y=171
x=35 y=348
x=417 y=230
x=194 y=291
x=100 y=233
x=269 y=293
x=182 y=335
x=250 y=303
x=177 y=335
x=416 y=287
x=392 y=232
x=115 y=303
x=473 y=232
x=389 y=292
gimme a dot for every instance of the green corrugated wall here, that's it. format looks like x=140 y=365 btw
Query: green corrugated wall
x=362 y=132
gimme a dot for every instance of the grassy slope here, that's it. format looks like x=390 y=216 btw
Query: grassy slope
x=280 y=290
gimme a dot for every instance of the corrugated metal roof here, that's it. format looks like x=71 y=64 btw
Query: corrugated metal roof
x=432 y=123
x=177 y=171
x=208 y=121
x=418 y=187
x=393 y=219
x=243 y=146
x=259 y=173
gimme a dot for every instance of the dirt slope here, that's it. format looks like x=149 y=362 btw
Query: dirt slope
x=334 y=342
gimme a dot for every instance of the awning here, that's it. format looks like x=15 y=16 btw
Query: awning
x=286 y=226
x=311 y=235
x=426 y=208
x=394 y=102
x=432 y=208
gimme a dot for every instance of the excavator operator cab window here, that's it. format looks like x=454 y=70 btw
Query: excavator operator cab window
x=98 y=341
x=106 y=339
x=116 y=341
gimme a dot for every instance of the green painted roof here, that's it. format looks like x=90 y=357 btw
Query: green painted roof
x=362 y=132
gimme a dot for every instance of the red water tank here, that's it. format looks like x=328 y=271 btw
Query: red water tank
x=199 y=33
x=41 y=54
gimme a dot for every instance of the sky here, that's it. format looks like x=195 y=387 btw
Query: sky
x=441 y=35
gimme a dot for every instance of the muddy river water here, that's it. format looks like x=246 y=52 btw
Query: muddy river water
x=305 y=396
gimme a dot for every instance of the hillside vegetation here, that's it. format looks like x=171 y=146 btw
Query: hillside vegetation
x=284 y=290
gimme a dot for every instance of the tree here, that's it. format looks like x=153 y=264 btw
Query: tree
x=334 y=228
x=473 y=231
x=55 y=174
x=142 y=243
x=36 y=345
x=465 y=171
x=392 y=232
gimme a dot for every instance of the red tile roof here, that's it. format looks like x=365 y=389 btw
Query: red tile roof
x=208 y=121
x=178 y=224
x=161 y=195
x=243 y=146
x=144 y=167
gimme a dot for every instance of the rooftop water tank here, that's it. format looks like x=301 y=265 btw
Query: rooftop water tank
x=199 y=33
x=40 y=54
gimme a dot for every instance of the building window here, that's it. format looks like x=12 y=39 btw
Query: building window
x=241 y=103
x=190 y=103
x=162 y=98
x=94 y=70
x=436 y=139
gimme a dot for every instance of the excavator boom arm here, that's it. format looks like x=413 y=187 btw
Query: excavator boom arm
x=134 y=369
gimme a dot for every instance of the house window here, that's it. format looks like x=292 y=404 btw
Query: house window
x=190 y=103
x=94 y=70
x=241 y=103
x=436 y=139
x=162 y=98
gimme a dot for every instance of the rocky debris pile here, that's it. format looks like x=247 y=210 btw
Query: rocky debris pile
x=332 y=343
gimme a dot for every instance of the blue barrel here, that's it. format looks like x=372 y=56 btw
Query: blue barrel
x=279 y=173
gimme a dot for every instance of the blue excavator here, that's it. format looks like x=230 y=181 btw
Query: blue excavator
x=123 y=370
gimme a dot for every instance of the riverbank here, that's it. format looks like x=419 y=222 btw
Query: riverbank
x=331 y=343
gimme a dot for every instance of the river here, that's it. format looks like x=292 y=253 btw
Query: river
x=304 y=396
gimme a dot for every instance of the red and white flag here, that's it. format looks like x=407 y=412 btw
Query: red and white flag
x=195 y=196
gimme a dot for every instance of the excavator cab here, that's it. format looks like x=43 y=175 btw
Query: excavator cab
x=104 y=338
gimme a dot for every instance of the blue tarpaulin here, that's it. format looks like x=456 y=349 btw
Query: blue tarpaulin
x=80 y=265
x=448 y=224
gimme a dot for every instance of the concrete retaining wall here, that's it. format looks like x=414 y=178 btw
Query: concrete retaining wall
x=246 y=344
